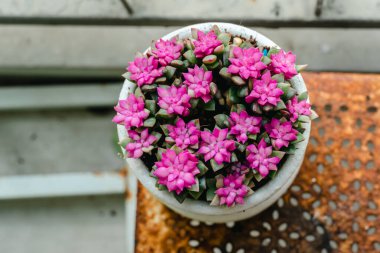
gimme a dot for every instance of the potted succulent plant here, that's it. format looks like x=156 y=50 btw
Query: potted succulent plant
x=214 y=120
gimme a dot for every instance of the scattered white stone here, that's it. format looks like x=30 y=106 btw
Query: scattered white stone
x=193 y=243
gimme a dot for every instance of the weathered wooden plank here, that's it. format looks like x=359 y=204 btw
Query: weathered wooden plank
x=179 y=12
x=65 y=48
x=93 y=224
x=58 y=96
x=61 y=185
x=57 y=141
x=62 y=9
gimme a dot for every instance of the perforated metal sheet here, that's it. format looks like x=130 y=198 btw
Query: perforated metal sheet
x=333 y=205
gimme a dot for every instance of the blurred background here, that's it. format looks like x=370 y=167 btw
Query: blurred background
x=60 y=74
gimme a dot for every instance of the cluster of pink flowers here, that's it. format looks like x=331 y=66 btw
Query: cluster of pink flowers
x=198 y=81
x=144 y=70
x=183 y=135
x=167 y=50
x=206 y=44
x=244 y=125
x=233 y=190
x=259 y=158
x=246 y=62
x=174 y=100
x=177 y=171
x=131 y=112
x=265 y=91
x=212 y=115
x=215 y=145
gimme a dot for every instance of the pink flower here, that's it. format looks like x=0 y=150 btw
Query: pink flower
x=131 y=112
x=284 y=63
x=205 y=44
x=233 y=190
x=243 y=124
x=141 y=143
x=214 y=145
x=259 y=158
x=177 y=171
x=281 y=133
x=265 y=91
x=167 y=50
x=184 y=135
x=246 y=62
x=198 y=81
x=174 y=100
x=144 y=70
x=297 y=108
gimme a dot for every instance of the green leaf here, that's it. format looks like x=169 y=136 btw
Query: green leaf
x=221 y=120
x=257 y=176
x=151 y=106
x=180 y=197
x=165 y=129
x=202 y=168
x=157 y=135
x=190 y=56
x=162 y=113
x=280 y=106
x=278 y=154
x=169 y=72
x=138 y=92
x=224 y=38
x=279 y=78
x=299 y=138
x=237 y=80
x=215 y=166
x=272 y=173
x=149 y=88
x=290 y=93
x=210 y=194
x=177 y=64
x=303 y=96
x=273 y=50
x=195 y=187
x=224 y=73
x=266 y=60
x=209 y=106
x=150 y=122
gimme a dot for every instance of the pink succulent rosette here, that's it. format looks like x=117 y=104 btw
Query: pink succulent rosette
x=177 y=171
x=198 y=82
x=282 y=133
x=297 y=108
x=246 y=63
x=141 y=142
x=283 y=63
x=144 y=70
x=174 y=100
x=183 y=135
x=244 y=125
x=131 y=112
x=215 y=145
x=259 y=158
x=232 y=191
x=167 y=50
x=265 y=91
x=205 y=44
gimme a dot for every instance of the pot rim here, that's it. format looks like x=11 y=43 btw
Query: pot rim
x=270 y=192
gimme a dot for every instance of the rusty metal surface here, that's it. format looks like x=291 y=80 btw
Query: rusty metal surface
x=333 y=205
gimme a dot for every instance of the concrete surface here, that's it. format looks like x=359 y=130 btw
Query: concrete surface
x=83 y=224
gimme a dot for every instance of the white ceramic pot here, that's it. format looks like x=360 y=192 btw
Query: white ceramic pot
x=255 y=203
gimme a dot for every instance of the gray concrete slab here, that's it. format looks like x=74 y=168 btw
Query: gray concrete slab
x=83 y=224
x=56 y=141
